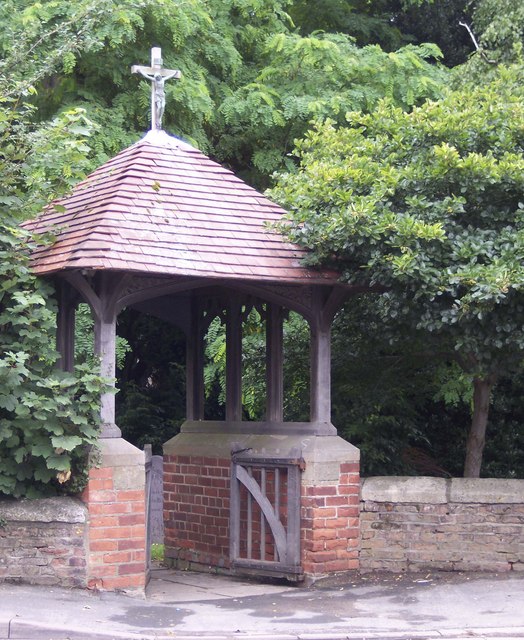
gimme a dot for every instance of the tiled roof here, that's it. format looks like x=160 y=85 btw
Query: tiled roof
x=161 y=206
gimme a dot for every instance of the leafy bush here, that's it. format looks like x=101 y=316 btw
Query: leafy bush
x=48 y=419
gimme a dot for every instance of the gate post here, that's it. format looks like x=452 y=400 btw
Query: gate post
x=115 y=499
x=330 y=508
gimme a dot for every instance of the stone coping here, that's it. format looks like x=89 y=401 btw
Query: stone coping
x=58 y=509
x=259 y=428
x=428 y=490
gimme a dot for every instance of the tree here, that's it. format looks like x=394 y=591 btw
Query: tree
x=429 y=207
x=366 y=22
x=321 y=76
x=438 y=21
x=499 y=25
x=391 y=23
x=249 y=84
x=48 y=420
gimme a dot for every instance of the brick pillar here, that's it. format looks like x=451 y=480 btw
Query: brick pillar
x=330 y=508
x=115 y=499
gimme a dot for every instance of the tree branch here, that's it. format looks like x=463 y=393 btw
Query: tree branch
x=477 y=47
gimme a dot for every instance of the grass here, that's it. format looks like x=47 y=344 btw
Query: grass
x=157 y=552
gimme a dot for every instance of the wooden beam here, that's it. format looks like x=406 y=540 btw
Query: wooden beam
x=105 y=347
x=320 y=357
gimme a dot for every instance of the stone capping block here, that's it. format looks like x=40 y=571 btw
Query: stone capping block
x=59 y=509
x=428 y=490
x=486 y=490
x=404 y=489
x=117 y=452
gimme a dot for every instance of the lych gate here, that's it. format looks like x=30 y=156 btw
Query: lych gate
x=163 y=229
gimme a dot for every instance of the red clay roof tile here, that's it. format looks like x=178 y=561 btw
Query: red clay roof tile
x=161 y=206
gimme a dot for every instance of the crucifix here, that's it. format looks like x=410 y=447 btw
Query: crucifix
x=157 y=75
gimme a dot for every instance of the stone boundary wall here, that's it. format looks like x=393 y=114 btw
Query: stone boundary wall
x=43 y=542
x=456 y=524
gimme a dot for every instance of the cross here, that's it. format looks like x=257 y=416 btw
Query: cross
x=157 y=75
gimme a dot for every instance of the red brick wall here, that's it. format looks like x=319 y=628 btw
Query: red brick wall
x=196 y=514
x=116 y=535
x=330 y=524
x=196 y=510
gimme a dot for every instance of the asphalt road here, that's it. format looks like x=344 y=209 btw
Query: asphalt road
x=187 y=605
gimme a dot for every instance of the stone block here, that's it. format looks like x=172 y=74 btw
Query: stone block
x=486 y=491
x=402 y=489
x=61 y=509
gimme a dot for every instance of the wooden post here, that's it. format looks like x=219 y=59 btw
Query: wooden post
x=234 y=361
x=320 y=357
x=195 y=365
x=274 y=364
x=320 y=373
x=105 y=348
x=65 y=327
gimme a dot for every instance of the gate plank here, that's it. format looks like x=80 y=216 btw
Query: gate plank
x=277 y=528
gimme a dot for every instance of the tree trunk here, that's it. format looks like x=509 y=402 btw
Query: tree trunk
x=479 y=421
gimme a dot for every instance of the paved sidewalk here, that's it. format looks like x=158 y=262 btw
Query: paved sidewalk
x=181 y=605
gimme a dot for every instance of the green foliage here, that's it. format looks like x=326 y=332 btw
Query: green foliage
x=47 y=419
x=58 y=157
x=498 y=29
x=253 y=361
x=296 y=367
x=249 y=84
x=150 y=404
x=40 y=161
x=318 y=76
x=84 y=340
x=151 y=414
x=157 y=552
x=215 y=362
x=438 y=22
x=40 y=39
x=366 y=22
x=454 y=385
x=430 y=206
x=382 y=386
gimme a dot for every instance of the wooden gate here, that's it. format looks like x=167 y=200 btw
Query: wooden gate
x=265 y=514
